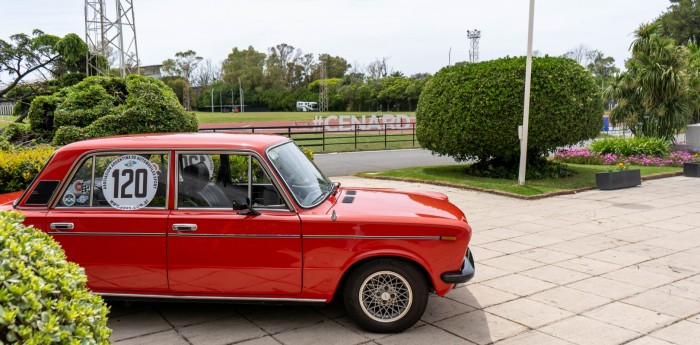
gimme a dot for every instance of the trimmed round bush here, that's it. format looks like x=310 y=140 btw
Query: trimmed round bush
x=472 y=111
x=44 y=299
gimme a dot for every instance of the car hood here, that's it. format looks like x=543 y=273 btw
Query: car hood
x=7 y=199
x=395 y=203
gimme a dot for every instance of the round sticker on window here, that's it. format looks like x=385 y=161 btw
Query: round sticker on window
x=129 y=182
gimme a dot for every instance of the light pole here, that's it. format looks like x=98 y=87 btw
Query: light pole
x=240 y=90
x=526 y=105
x=212 y=100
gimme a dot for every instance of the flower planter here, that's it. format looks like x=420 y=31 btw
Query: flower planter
x=618 y=179
x=691 y=169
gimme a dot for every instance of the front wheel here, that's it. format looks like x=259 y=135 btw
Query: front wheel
x=386 y=296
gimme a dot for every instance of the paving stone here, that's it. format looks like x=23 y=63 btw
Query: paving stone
x=631 y=317
x=534 y=338
x=618 y=257
x=480 y=296
x=544 y=255
x=480 y=327
x=506 y=246
x=570 y=299
x=555 y=274
x=134 y=325
x=511 y=263
x=636 y=275
x=683 y=332
x=224 y=331
x=519 y=284
x=502 y=233
x=440 y=308
x=536 y=240
x=267 y=340
x=485 y=273
x=426 y=334
x=483 y=253
x=648 y=340
x=589 y=266
x=529 y=312
x=583 y=330
x=325 y=333
x=162 y=338
x=683 y=288
x=184 y=314
x=606 y=287
x=664 y=303
x=274 y=320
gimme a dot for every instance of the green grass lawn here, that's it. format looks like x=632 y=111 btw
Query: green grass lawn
x=7 y=120
x=203 y=117
x=454 y=174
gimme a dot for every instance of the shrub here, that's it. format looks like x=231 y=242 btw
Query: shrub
x=100 y=106
x=584 y=156
x=537 y=169
x=19 y=166
x=472 y=111
x=18 y=133
x=44 y=298
x=632 y=146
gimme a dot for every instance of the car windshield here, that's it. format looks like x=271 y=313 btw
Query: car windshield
x=308 y=185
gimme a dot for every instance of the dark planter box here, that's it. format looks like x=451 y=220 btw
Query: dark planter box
x=691 y=169
x=618 y=179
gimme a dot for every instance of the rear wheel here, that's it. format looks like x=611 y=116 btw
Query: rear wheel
x=386 y=295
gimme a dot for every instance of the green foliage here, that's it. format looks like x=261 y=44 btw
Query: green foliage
x=18 y=166
x=100 y=106
x=18 y=133
x=537 y=169
x=44 y=298
x=681 y=20
x=656 y=95
x=473 y=111
x=632 y=146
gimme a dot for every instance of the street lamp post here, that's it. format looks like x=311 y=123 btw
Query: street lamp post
x=212 y=100
x=526 y=105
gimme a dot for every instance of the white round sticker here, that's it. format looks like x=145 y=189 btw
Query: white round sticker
x=186 y=160
x=129 y=182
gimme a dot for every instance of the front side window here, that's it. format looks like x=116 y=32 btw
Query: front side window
x=308 y=185
x=220 y=180
x=126 y=182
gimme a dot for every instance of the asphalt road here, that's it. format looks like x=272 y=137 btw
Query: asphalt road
x=348 y=163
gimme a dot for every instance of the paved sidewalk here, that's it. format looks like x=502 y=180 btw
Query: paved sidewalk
x=614 y=267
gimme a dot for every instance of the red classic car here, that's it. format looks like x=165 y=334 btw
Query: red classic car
x=244 y=218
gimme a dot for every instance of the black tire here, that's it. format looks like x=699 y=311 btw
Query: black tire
x=386 y=295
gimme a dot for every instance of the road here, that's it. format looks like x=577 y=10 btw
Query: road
x=348 y=163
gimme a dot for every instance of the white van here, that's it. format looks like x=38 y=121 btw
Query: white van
x=307 y=106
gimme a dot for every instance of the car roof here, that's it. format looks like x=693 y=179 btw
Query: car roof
x=175 y=141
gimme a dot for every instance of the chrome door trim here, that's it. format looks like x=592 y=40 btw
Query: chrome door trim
x=214 y=298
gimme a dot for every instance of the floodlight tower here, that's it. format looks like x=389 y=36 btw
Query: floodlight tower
x=111 y=37
x=474 y=36
x=323 y=89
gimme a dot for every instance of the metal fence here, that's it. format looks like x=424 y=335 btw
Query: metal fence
x=6 y=108
x=325 y=135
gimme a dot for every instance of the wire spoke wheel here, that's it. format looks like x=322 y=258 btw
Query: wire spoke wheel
x=385 y=296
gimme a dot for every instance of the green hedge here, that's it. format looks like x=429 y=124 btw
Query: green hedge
x=18 y=166
x=632 y=146
x=44 y=299
x=472 y=111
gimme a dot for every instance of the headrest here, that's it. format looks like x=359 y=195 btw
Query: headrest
x=199 y=170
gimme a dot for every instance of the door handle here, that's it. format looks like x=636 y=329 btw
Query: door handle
x=61 y=226
x=185 y=227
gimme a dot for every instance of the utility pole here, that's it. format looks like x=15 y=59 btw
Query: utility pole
x=526 y=103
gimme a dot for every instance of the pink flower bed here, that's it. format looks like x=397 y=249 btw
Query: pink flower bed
x=584 y=156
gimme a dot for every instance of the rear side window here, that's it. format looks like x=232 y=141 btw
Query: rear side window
x=42 y=193
x=126 y=182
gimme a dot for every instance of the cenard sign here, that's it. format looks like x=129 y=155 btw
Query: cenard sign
x=334 y=123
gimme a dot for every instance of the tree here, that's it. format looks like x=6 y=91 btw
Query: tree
x=248 y=65
x=39 y=54
x=184 y=64
x=654 y=94
x=682 y=21
x=336 y=66
x=378 y=68
x=602 y=67
x=581 y=54
x=473 y=111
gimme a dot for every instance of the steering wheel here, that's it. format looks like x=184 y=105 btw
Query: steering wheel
x=311 y=197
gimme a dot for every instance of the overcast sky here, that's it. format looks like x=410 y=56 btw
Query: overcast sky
x=415 y=36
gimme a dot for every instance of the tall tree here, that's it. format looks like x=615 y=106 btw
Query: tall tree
x=602 y=67
x=184 y=64
x=654 y=97
x=246 y=64
x=682 y=21
x=582 y=54
x=39 y=54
